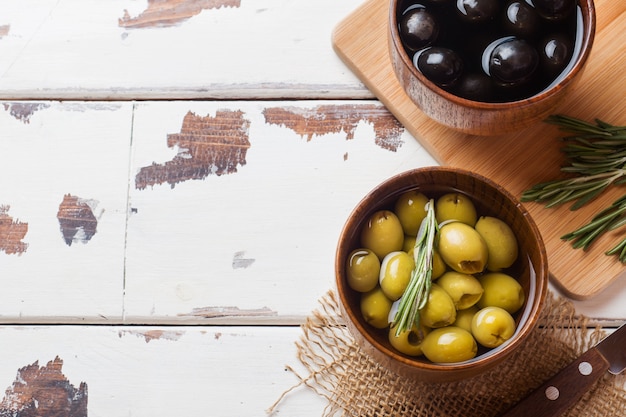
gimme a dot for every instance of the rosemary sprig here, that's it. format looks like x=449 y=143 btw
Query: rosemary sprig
x=416 y=293
x=610 y=218
x=580 y=189
x=596 y=156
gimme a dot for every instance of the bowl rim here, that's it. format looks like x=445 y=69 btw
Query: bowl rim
x=589 y=14
x=489 y=358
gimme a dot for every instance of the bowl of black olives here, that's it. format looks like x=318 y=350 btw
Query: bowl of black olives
x=441 y=274
x=488 y=67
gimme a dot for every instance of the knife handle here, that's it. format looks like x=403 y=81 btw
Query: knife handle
x=561 y=391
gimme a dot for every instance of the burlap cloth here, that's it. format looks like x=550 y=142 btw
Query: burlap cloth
x=354 y=385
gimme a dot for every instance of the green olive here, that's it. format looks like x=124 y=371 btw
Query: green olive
x=500 y=240
x=462 y=248
x=455 y=206
x=501 y=290
x=410 y=208
x=382 y=233
x=395 y=273
x=464 y=318
x=409 y=342
x=375 y=307
x=362 y=270
x=439 y=310
x=439 y=266
x=449 y=344
x=464 y=289
x=409 y=244
x=492 y=326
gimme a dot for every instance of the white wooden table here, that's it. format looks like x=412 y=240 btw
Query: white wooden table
x=167 y=269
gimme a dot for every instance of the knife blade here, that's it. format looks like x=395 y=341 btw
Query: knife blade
x=561 y=391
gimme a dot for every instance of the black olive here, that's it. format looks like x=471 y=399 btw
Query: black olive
x=478 y=10
x=555 y=53
x=475 y=86
x=418 y=28
x=490 y=50
x=513 y=61
x=521 y=19
x=554 y=9
x=442 y=66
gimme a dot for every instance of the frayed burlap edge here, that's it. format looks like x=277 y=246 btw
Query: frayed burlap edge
x=354 y=385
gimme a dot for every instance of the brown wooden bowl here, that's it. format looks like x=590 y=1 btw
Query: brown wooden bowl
x=482 y=118
x=531 y=268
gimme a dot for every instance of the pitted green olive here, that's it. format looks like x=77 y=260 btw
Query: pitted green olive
x=464 y=318
x=439 y=310
x=395 y=273
x=410 y=208
x=492 y=326
x=500 y=240
x=410 y=341
x=382 y=233
x=464 y=289
x=375 y=307
x=501 y=290
x=449 y=344
x=455 y=206
x=462 y=248
x=362 y=270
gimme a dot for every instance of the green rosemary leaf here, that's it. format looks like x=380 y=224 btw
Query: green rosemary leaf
x=600 y=165
x=584 y=240
x=584 y=230
x=595 y=160
x=584 y=197
x=575 y=125
x=617 y=223
x=604 y=125
x=416 y=294
x=619 y=250
x=616 y=249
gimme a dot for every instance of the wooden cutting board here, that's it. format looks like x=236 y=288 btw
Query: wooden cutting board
x=516 y=161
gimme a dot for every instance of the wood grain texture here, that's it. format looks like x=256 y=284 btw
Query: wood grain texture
x=519 y=160
x=77 y=220
x=207 y=146
x=161 y=13
x=12 y=232
x=44 y=391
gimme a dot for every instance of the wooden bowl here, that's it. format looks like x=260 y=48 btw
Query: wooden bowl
x=531 y=268
x=482 y=118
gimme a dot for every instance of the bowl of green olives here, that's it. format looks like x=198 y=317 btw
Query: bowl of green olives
x=464 y=243
x=488 y=67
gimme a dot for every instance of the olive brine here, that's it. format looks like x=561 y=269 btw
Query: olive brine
x=473 y=295
x=489 y=50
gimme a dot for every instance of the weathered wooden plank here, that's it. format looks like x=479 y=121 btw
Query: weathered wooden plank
x=127 y=49
x=237 y=231
x=152 y=371
x=63 y=199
